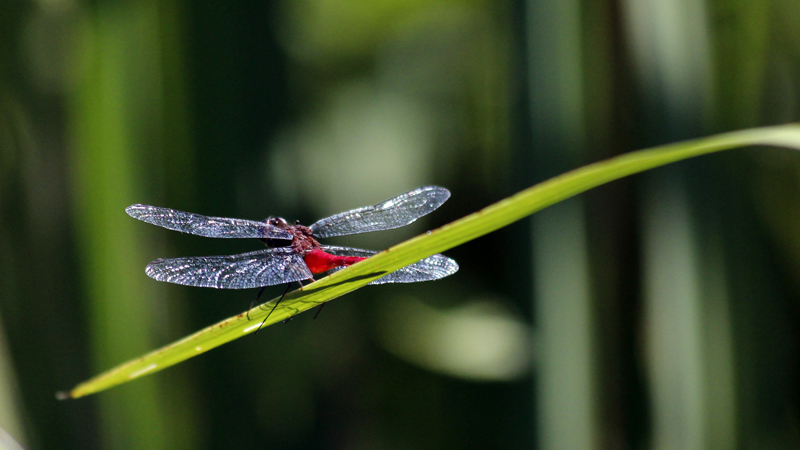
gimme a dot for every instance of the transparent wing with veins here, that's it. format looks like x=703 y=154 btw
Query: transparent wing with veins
x=215 y=227
x=243 y=271
x=393 y=213
x=430 y=268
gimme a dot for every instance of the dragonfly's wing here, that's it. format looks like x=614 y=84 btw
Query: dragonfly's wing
x=247 y=270
x=216 y=227
x=430 y=268
x=393 y=213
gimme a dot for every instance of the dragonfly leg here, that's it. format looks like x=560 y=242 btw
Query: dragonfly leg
x=255 y=300
x=319 y=311
x=301 y=285
x=288 y=285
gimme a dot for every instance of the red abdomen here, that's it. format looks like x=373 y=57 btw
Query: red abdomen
x=319 y=261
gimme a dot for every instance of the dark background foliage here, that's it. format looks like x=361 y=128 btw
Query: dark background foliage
x=656 y=312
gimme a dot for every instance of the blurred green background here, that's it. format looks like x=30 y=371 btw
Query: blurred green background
x=658 y=312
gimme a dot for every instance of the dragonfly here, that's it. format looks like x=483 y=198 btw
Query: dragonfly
x=293 y=253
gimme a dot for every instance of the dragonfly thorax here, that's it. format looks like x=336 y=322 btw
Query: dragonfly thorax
x=302 y=237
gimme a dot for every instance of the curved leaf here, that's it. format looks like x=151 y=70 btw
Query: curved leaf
x=463 y=230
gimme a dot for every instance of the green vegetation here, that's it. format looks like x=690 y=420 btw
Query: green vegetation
x=456 y=233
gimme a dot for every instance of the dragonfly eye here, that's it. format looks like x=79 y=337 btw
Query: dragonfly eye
x=278 y=222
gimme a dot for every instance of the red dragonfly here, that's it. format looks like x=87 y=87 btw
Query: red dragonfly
x=293 y=252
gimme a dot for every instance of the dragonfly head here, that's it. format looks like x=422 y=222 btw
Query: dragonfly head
x=303 y=238
x=279 y=222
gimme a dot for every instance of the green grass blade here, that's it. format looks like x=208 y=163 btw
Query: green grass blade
x=463 y=230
